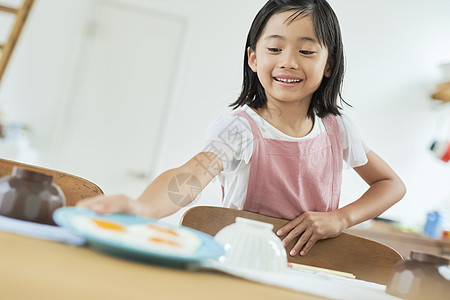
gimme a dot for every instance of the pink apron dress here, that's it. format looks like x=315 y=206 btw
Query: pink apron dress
x=288 y=178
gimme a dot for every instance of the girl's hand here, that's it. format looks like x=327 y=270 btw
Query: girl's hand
x=110 y=204
x=311 y=227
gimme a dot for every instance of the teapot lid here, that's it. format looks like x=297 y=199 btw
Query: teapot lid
x=429 y=258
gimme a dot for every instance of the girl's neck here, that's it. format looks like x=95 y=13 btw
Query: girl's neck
x=290 y=118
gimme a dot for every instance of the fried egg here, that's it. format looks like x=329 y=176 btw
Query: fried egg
x=174 y=240
x=101 y=227
x=147 y=237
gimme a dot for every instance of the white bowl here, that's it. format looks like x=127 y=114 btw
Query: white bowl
x=252 y=244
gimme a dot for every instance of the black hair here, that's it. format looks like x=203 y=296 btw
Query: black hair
x=326 y=27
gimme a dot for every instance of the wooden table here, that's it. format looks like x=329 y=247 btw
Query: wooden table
x=37 y=269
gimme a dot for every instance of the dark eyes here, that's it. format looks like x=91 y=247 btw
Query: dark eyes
x=278 y=50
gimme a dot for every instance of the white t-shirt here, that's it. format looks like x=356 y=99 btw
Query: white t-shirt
x=231 y=138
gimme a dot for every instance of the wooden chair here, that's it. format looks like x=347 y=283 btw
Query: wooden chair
x=366 y=259
x=21 y=14
x=74 y=188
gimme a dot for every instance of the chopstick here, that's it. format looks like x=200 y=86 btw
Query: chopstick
x=317 y=269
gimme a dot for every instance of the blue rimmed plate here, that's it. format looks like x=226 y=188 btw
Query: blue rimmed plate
x=67 y=218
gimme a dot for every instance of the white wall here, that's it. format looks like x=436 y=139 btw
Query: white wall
x=392 y=50
x=39 y=72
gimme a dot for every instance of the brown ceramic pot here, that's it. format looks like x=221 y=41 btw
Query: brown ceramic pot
x=30 y=196
x=424 y=276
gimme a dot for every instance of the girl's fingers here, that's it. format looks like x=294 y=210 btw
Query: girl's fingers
x=297 y=231
x=289 y=226
x=88 y=202
x=304 y=238
x=106 y=207
x=107 y=204
x=308 y=245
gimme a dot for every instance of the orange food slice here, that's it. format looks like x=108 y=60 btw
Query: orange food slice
x=162 y=229
x=163 y=241
x=106 y=224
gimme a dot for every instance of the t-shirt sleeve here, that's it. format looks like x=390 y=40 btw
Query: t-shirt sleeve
x=230 y=137
x=353 y=147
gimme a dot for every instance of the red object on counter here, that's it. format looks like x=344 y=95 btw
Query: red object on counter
x=445 y=235
x=446 y=156
x=441 y=150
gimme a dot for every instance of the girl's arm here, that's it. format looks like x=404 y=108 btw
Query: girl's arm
x=386 y=189
x=159 y=199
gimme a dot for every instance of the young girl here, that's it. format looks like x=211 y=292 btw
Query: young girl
x=281 y=153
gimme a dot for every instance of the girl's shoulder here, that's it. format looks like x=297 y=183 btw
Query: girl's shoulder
x=353 y=145
x=228 y=124
x=346 y=125
x=232 y=139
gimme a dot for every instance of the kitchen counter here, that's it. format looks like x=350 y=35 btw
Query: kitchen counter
x=402 y=241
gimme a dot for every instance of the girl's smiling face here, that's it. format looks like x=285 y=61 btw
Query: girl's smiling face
x=288 y=59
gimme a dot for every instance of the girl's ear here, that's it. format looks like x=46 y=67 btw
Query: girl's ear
x=251 y=59
x=328 y=68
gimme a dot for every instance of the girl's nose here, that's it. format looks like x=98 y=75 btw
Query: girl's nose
x=290 y=60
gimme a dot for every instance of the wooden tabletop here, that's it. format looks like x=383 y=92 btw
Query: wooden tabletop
x=37 y=269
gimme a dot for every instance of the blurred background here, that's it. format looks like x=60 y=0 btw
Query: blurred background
x=118 y=91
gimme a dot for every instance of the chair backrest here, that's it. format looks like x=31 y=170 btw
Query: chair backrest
x=366 y=259
x=74 y=188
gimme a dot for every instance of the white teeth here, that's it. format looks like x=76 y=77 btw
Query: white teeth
x=287 y=80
